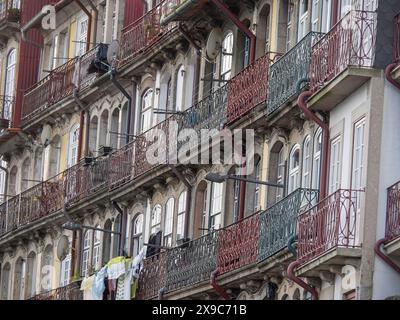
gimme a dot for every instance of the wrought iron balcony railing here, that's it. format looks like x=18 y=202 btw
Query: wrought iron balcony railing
x=332 y=223
x=249 y=88
x=9 y=11
x=69 y=292
x=152 y=277
x=285 y=74
x=238 y=244
x=141 y=34
x=350 y=43
x=279 y=223
x=393 y=213
x=396 y=35
x=191 y=263
x=6 y=107
x=78 y=73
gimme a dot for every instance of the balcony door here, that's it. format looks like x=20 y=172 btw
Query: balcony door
x=303 y=19
x=9 y=82
x=81 y=36
x=73 y=146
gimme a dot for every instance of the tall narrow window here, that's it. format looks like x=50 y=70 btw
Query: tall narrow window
x=326 y=15
x=107 y=242
x=204 y=213
x=26 y=166
x=31 y=276
x=216 y=206
x=114 y=20
x=227 y=57
x=303 y=18
x=3 y=186
x=96 y=249
x=73 y=146
x=180 y=228
x=315 y=15
x=180 y=82
x=10 y=78
x=317 y=159
x=81 y=36
x=267 y=31
x=54 y=52
x=55 y=155
x=294 y=169
x=236 y=200
x=257 y=189
x=87 y=245
x=169 y=105
x=289 y=26
x=280 y=174
x=358 y=155
x=12 y=184
x=307 y=163
x=38 y=171
x=47 y=269
x=169 y=222
x=137 y=235
x=66 y=270
x=146 y=112
x=345 y=7
x=5 y=281
x=115 y=237
x=335 y=166
x=156 y=220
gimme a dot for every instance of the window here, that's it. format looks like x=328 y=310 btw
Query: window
x=66 y=270
x=315 y=15
x=96 y=249
x=19 y=279
x=257 y=189
x=146 y=114
x=115 y=128
x=87 y=245
x=10 y=77
x=358 y=158
x=169 y=222
x=307 y=162
x=180 y=82
x=180 y=229
x=267 y=35
x=289 y=27
x=54 y=53
x=294 y=169
x=169 y=95
x=345 y=7
x=3 y=182
x=204 y=213
x=47 y=269
x=107 y=242
x=216 y=206
x=55 y=154
x=26 y=166
x=81 y=36
x=116 y=237
x=303 y=17
x=326 y=15
x=73 y=146
x=226 y=57
x=334 y=178
x=137 y=234
x=114 y=20
x=280 y=174
x=12 y=184
x=5 y=281
x=31 y=276
x=38 y=172
x=236 y=200
x=317 y=159
x=156 y=220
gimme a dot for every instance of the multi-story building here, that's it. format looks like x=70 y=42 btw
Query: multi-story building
x=82 y=100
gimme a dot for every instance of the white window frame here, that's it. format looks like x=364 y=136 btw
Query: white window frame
x=73 y=146
x=169 y=222
x=317 y=153
x=155 y=219
x=180 y=224
x=303 y=18
x=81 y=35
x=86 y=252
x=227 y=57
x=335 y=165
x=179 y=85
x=294 y=169
x=216 y=206
x=307 y=163
x=137 y=234
x=146 y=113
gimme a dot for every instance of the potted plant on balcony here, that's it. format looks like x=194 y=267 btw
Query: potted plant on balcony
x=14 y=15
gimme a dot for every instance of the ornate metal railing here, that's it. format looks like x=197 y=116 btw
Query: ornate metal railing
x=396 y=35
x=278 y=223
x=69 y=292
x=141 y=34
x=238 y=244
x=86 y=66
x=9 y=11
x=170 y=6
x=7 y=107
x=248 y=88
x=333 y=222
x=50 y=90
x=152 y=277
x=191 y=263
x=351 y=42
x=393 y=213
x=288 y=70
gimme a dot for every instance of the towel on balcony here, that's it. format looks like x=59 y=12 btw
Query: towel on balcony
x=116 y=268
x=87 y=287
x=99 y=285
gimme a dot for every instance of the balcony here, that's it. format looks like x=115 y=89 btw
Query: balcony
x=343 y=60
x=329 y=232
x=192 y=263
x=278 y=225
x=6 y=107
x=69 y=292
x=152 y=277
x=392 y=233
x=173 y=10
x=248 y=89
x=49 y=92
x=142 y=34
x=9 y=19
x=285 y=74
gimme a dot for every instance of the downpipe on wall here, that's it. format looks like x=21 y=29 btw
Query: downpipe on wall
x=218 y=289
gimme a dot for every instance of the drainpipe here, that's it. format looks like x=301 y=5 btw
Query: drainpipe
x=113 y=74
x=302 y=103
x=242 y=27
x=188 y=198
x=291 y=275
x=124 y=219
x=218 y=289
x=161 y=293
x=388 y=74
x=383 y=256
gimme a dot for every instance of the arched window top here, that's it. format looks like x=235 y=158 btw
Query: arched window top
x=294 y=159
x=156 y=219
x=97 y=235
x=318 y=141
x=182 y=201
x=87 y=240
x=138 y=225
x=147 y=99
x=11 y=58
x=180 y=82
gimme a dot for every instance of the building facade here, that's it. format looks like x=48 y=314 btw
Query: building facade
x=87 y=86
